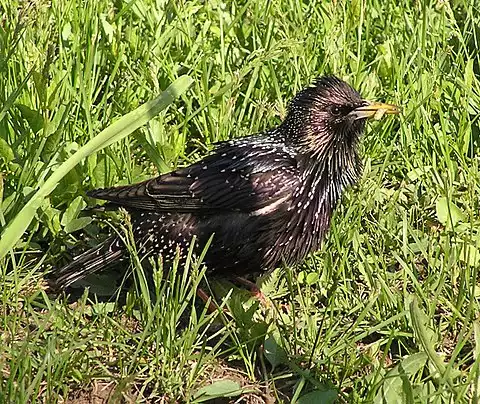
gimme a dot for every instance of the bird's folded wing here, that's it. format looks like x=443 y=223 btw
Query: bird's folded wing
x=230 y=181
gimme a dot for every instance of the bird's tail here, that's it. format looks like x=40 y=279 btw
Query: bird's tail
x=91 y=261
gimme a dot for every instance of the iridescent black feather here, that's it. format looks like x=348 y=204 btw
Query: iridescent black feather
x=267 y=198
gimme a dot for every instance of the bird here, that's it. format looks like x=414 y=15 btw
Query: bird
x=265 y=199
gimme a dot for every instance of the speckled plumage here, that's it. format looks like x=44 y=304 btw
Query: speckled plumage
x=267 y=198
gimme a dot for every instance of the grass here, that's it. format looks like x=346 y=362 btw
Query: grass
x=386 y=311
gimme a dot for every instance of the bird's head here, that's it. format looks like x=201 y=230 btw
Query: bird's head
x=330 y=116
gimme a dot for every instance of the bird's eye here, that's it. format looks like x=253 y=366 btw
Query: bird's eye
x=336 y=111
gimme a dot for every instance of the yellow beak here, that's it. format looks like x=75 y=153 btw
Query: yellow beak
x=374 y=110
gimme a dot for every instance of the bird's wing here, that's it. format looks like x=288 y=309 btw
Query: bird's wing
x=234 y=178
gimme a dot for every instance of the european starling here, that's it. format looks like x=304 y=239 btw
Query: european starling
x=266 y=198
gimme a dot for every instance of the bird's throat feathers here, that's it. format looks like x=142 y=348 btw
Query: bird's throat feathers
x=324 y=155
x=325 y=179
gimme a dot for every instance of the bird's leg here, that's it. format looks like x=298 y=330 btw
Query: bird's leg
x=254 y=289
x=212 y=306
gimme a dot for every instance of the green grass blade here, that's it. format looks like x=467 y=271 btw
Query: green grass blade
x=115 y=132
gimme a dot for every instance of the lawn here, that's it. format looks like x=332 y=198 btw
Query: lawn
x=386 y=312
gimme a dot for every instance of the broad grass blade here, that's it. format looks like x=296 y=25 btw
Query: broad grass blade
x=115 y=132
